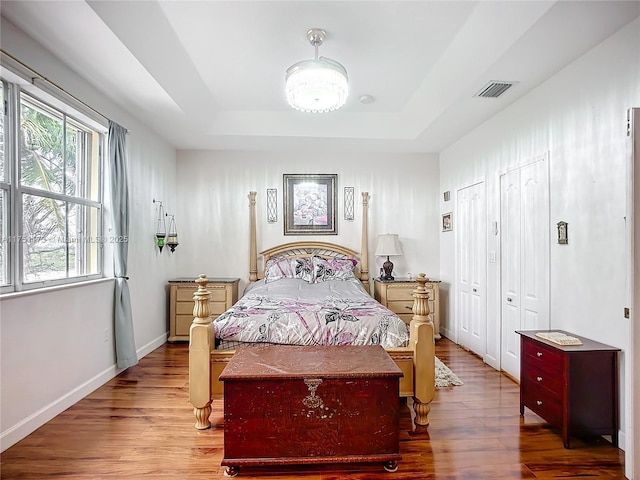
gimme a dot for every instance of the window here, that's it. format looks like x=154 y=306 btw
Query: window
x=51 y=191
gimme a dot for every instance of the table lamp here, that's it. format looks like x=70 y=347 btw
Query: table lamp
x=388 y=245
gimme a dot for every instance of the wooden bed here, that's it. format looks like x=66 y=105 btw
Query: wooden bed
x=417 y=360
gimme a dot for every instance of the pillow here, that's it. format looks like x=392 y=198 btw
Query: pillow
x=278 y=268
x=334 y=269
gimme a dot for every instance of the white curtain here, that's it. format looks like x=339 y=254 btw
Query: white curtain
x=126 y=355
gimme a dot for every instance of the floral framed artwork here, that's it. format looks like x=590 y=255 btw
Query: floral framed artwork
x=310 y=204
x=447 y=222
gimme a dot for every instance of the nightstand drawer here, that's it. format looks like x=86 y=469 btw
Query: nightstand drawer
x=183 y=324
x=400 y=307
x=216 y=293
x=400 y=292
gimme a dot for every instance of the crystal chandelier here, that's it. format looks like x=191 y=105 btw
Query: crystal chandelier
x=317 y=85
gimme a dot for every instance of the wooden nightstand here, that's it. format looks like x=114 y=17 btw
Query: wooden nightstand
x=397 y=296
x=224 y=293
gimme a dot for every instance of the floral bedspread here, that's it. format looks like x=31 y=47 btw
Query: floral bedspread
x=294 y=312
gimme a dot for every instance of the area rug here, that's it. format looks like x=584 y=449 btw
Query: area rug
x=444 y=376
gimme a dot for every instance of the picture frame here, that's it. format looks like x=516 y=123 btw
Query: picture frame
x=310 y=204
x=447 y=222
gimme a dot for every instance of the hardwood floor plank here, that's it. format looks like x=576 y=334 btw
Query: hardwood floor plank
x=141 y=425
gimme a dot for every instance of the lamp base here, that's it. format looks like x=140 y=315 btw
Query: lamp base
x=386 y=271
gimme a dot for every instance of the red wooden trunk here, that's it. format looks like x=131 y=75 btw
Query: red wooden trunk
x=292 y=404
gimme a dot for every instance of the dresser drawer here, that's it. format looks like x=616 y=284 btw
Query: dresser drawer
x=543 y=357
x=541 y=401
x=542 y=378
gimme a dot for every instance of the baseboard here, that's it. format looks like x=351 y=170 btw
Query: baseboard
x=17 y=432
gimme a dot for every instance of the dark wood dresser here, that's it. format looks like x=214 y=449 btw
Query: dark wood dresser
x=297 y=405
x=573 y=387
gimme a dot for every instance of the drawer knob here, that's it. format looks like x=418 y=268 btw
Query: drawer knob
x=475 y=290
x=539 y=402
x=539 y=379
x=509 y=299
x=539 y=354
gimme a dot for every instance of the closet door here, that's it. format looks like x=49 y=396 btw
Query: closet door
x=471 y=276
x=524 y=209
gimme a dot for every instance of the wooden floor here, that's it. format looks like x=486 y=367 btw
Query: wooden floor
x=140 y=425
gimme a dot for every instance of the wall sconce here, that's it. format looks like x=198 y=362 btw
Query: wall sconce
x=272 y=205
x=349 y=193
x=388 y=245
x=172 y=237
x=161 y=227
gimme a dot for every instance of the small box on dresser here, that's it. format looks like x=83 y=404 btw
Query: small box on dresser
x=224 y=293
x=397 y=296
x=572 y=387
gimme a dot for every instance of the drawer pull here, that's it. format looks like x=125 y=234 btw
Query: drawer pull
x=539 y=402
x=539 y=379
x=539 y=354
x=408 y=308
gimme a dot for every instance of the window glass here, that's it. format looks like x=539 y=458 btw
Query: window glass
x=4 y=240
x=61 y=239
x=2 y=95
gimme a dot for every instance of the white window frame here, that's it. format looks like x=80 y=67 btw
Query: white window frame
x=13 y=75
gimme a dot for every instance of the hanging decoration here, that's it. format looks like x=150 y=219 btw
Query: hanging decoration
x=172 y=237
x=161 y=227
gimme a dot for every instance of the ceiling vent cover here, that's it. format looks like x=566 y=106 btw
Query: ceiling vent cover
x=494 y=89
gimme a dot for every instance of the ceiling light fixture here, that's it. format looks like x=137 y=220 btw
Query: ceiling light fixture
x=317 y=85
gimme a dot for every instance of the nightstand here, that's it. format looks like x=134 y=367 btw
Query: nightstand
x=224 y=293
x=397 y=296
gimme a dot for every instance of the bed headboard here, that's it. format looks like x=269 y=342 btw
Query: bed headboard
x=310 y=248
x=307 y=250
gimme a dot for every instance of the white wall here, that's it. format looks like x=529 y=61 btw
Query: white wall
x=213 y=189
x=579 y=118
x=53 y=348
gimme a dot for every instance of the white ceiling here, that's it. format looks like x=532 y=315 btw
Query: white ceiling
x=210 y=74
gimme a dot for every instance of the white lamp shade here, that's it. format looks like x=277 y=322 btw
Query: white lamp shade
x=317 y=85
x=388 y=244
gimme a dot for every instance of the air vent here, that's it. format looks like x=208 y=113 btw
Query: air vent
x=494 y=89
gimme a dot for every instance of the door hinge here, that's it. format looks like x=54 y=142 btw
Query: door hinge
x=626 y=312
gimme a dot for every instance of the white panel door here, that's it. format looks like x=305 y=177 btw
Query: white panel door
x=524 y=209
x=471 y=275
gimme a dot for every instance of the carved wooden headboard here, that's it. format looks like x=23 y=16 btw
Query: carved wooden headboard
x=310 y=248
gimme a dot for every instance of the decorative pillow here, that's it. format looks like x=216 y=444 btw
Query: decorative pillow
x=288 y=268
x=334 y=269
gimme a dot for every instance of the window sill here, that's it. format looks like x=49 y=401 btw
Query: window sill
x=54 y=288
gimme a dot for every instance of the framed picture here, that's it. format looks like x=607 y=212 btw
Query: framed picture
x=310 y=204
x=447 y=222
